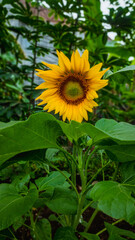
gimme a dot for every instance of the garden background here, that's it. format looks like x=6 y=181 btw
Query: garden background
x=31 y=32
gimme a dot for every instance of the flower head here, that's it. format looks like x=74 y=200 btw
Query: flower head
x=70 y=88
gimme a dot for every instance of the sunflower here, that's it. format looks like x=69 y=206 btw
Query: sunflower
x=70 y=88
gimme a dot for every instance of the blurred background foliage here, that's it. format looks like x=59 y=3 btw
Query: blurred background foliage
x=70 y=25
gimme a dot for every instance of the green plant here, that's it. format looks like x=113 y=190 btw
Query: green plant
x=59 y=190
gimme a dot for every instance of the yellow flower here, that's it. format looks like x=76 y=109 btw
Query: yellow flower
x=71 y=87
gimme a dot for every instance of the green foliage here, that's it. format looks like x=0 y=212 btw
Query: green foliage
x=42 y=230
x=117 y=233
x=13 y=205
x=65 y=234
x=61 y=201
x=55 y=179
x=110 y=195
x=42 y=130
x=128 y=172
x=42 y=135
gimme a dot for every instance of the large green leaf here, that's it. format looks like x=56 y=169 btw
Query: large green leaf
x=53 y=180
x=110 y=129
x=65 y=233
x=122 y=133
x=14 y=205
x=119 y=132
x=117 y=233
x=40 y=131
x=113 y=136
x=115 y=200
x=42 y=230
x=63 y=201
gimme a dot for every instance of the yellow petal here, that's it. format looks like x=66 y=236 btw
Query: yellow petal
x=62 y=108
x=73 y=61
x=86 y=65
x=77 y=61
x=41 y=86
x=46 y=107
x=64 y=62
x=92 y=94
x=96 y=85
x=85 y=55
x=94 y=71
x=86 y=104
x=48 y=92
x=48 y=73
x=64 y=117
x=83 y=112
x=54 y=67
x=70 y=112
x=99 y=75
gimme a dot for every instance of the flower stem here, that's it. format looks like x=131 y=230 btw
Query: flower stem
x=102 y=162
x=99 y=170
x=88 y=160
x=91 y=220
x=73 y=172
x=88 y=205
x=116 y=171
x=79 y=211
x=69 y=155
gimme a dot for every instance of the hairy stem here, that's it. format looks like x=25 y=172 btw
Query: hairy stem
x=88 y=160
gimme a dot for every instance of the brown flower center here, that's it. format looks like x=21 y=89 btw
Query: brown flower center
x=72 y=90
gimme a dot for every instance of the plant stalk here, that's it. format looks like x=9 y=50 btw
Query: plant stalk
x=91 y=220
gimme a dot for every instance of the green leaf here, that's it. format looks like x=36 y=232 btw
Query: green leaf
x=40 y=131
x=55 y=179
x=37 y=156
x=121 y=51
x=50 y=154
x=20 y=181
x=110 y=129
x=13 y=205
x=89 y=236
x=73 y=130
x=128 y=68
x=118 y=132
x=63 y=201
x=42 y=230
x=120 y=153
x=116 y=233
x=9 y=124
x=115 y=200
x=128 y=172
x=65 y=233
x=122 y=133
x=19 y=222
